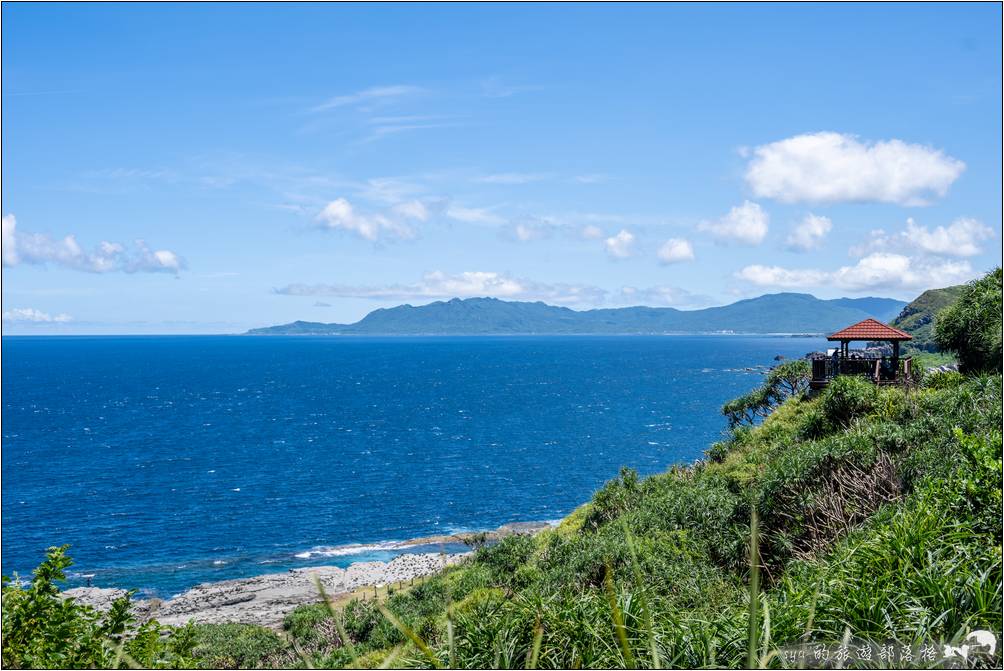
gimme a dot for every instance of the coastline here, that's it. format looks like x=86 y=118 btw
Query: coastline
x=266 y=599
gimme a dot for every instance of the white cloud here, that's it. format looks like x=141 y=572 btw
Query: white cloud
x=40 y=249
x=389 y=190
x=532 y=228
x=591 y=232
x=875 y=271
x=776 y=276
x=745 y=224
x=372 y=94
x=514 y=178
x=9 y=241
x=620 y=246
x=412 y=209
x=832 y=167
x=31 y=315
x=526 y=232
x=472 y=215
x=663 y=296
x=809 y=234
x=676 y=250
x=440 y=285
x=961 y=238
x=340 y=215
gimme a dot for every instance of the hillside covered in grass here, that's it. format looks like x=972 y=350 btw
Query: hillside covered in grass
x=879 y=514
x=863 y=513
x=917 y=318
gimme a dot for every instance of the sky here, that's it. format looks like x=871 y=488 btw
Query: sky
x=192 y=168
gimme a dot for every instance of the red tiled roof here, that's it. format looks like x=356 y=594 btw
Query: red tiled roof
x=870 y=329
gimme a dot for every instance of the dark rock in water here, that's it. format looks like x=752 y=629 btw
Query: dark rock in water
x=779 y=357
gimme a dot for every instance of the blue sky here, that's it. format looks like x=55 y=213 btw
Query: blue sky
x=197 y=169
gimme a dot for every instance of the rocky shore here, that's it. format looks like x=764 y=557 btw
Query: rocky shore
x=267 y=599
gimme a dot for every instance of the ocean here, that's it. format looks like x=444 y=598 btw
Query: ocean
x=169 y=461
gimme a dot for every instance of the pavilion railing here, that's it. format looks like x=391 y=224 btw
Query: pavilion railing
x=877 y=369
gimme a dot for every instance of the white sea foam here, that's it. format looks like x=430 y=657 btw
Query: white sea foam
x=350 y=549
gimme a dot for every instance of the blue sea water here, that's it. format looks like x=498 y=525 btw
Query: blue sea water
x=169 y=461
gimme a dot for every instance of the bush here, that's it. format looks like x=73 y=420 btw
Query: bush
x=948 y=379
x=847 y=398
x=236 y=646
x=616 y=497
x=42 y=630
x=971 y=327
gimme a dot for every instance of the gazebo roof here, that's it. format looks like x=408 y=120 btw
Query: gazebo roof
x=870 y=329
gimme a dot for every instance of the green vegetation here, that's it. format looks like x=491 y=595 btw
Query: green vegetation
x=971 y=327
x=43 y=631
x=917 y=318
x=783 y=381
x=863 y=512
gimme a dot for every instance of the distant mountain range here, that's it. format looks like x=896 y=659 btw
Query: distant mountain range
x=772 y=313
x=917 y=318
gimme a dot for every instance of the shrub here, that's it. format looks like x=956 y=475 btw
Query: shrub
x=236 y=646
x=971 y=327
x=42 y=630
x=614 y=499
x=719 y=450
x=847 y=398
x=948 y=379
x=814 y=424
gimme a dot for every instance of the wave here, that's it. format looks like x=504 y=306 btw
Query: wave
x=351 y=549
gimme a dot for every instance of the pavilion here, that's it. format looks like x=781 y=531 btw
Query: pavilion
x=879 y=368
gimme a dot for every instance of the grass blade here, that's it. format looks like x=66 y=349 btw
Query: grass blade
x=336 y=616
x=538 y=636
x=410 y=635
x=391 y=657
x=812 y=610
x=608 y=583
x=304 y=659
x=643 y=601
x=753 y=634
x=450 y=639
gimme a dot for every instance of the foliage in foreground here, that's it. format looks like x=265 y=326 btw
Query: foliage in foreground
x=43 y=631
x=971 y=327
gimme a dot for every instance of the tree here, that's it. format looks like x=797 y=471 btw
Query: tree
x=971 y=327
x=790 y=378
x=745 y=409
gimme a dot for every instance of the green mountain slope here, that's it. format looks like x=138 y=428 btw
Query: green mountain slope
x=772 y=313
x=917 y=318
